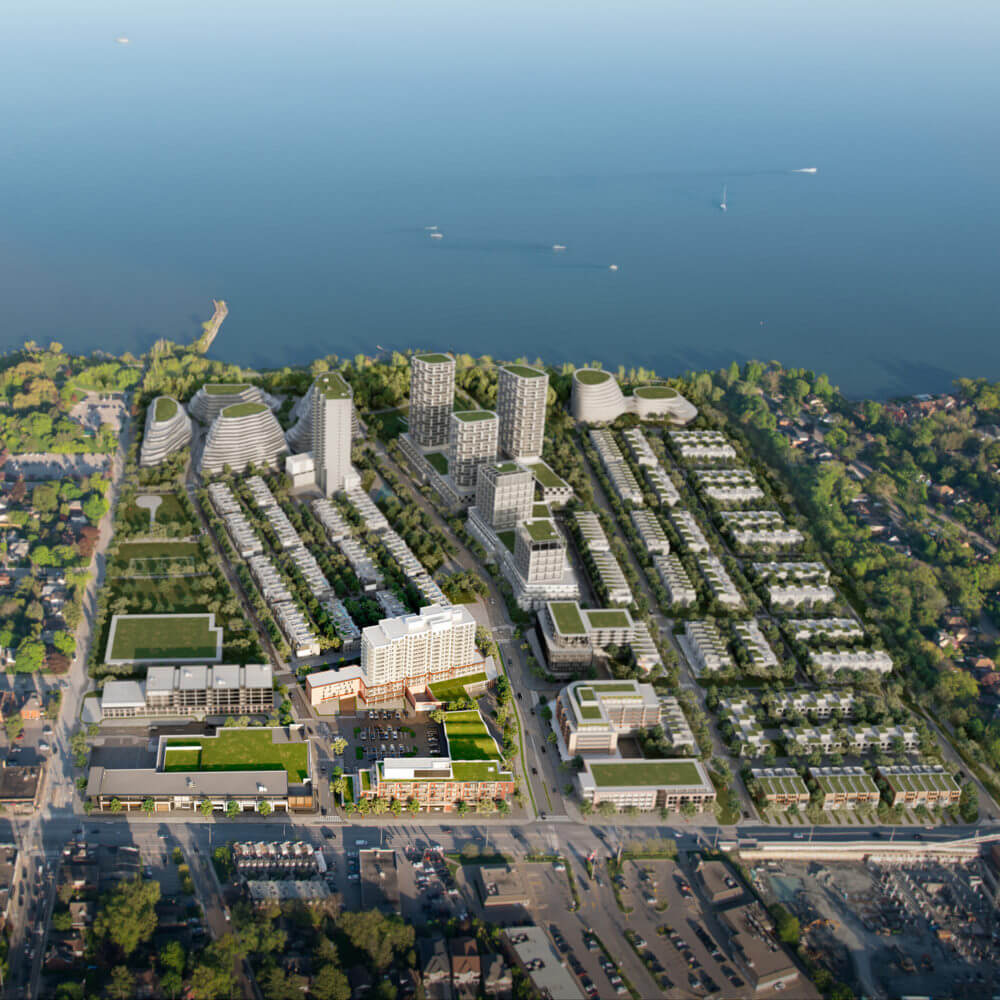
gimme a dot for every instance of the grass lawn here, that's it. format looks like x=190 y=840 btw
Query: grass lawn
x=155 y=550
x=591 y=376
x=453 y=690
x=359 y=753
x=240 y=750
x=170 y=509
x=545 y=476
x=388 y=425
x=468 y=737
x=152 y=637
x=507 y=537
x=165 y=408
x=439 y=462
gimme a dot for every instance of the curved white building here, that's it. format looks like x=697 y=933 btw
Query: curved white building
x=300 y=436
x=168 y=428
x=243 y=433
x=597 y=398
x=212 y=398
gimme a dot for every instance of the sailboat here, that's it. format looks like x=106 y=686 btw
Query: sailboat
x=722 y=204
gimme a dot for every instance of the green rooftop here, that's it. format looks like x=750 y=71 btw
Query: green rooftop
x=225 y=388
x=523 y=371
x=238 y=410
x=655 y=392
x=566 y=615
x=434 y=359
x=239 y=750
x=470 y=416
x=541 y=530
x=439 y=461
x=614 y=687
x=608 y=618
x=547 y=479
x=646 y=773
x=589 y=712
x=166 y=408
x=333 y=386
x=507 y=468
x=540 y=510
x=591 y=376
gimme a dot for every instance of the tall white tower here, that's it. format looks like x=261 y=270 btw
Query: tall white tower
x=432 y=394
x=333 y=411
x=521 y=398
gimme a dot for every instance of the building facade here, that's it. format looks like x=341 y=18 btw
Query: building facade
x=472 y=443
x=333 y=412
x=432 y=394
x=539 y=551
x=591 y=715
x=521 y=396
x=504 y=494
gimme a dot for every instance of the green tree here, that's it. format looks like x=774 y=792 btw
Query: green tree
x=787 y=926
x=968 y=804
x=206 y=807
x=339 y=745
x=148 y=806
x=330 y=984
x=127 y=915
x=265 y=808
x=14 y=726
x=378 y=936
x=233 y=809
x=116 y=806
x=122 y=983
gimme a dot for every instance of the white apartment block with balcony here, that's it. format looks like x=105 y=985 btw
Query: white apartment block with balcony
x=435 y=639
x=640 y=448
x=796 y=572
x=472 y=443
x=675 y=725
x=758 y=649
x=705 y=650
x=752 y=529
x=522 y=394
x=702 y=446
x=676 y=582
x=296 y=629
x=728 y=486
x=692 y=537
x=826 y=629
x=651 y=533
x=798 y=595
x=371 y=517
x=589 y=525
x=719 y=581
x=662 y=487
x=432 y=394
x=333 y=521
x=876 y=661
x=505 y=494
x=747 y=730
x=867 y=739
x=623 y=480
x=821 y=704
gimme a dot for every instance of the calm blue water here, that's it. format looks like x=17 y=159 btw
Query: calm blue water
x=287 y=157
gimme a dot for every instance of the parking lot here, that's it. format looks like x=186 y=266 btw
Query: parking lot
x=373 y=735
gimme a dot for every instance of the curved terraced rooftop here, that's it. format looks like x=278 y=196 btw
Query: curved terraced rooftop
x=168 y=429
x=300 y=435
x=243 y=433
x=597 y=398
x=213 y=397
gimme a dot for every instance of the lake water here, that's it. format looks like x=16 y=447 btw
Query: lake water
x=288 y=157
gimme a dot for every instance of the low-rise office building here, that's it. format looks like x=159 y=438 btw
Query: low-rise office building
x=530 y=950
x=571 y=633
x=591 y=715
x=646 y=784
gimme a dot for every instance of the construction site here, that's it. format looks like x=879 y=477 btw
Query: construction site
x=895 y=928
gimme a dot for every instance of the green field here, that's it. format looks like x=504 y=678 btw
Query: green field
x=240 y=750
x=439 y=462
x=128 y=551
x=468 y=737
x=152 y=637
x=453 y=690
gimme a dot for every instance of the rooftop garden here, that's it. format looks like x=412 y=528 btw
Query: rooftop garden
x=523 y=371
x=541 y=530
x=435 y=359
x=646 y=773
x=547 y=479
x=239 y=750
x=507 y=468
x=226 y=388
x=608 y=619
x=591 y=376
x=333 y=386
x=166 y=409
x=566 y=615
x=446 y=691
x=540 y=510
x=439 y=462
x=468 y=737
x=655 y=392
x=507 y=537
x=238 y=410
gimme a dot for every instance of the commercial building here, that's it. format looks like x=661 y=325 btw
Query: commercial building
x=379 y=881
x=647 y=784
x=779 y=787
x=168 y=429
x=222 y=690
x=19 y=786
x=471 y=770
x=243 y=434
x=597 y=398
x=844 y=787
x=522 y=393
x=591 y=715
x=190 y=771
x=332 y=416
x=768 y=965
x=472 y=443
x=530 y=950
x=432 y=394
x=501 y=885
x=920 y=784
x=554 y=490
x=505 y=493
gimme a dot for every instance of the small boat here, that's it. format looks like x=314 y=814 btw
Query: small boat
x=430 y=228
x=722 y=204
x=805 y=170
x=612 y=267
x=121 y=40
x=558 y=246
x=437 y=236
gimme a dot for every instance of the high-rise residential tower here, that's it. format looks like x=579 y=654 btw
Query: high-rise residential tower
x=504 y=494
x=539 y=551
x=432 y=394
x=332 y=413
x=472 y=443
x=521 y=397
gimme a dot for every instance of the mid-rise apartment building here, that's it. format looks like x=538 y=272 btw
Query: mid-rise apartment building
x=539 y=551
x=592 y=714
x=504 y=494
x=472 y=443
x=845 y=787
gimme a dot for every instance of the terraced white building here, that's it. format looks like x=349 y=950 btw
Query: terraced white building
x=213 y=397
x=243 y=433
x=168 y=429
x=597 y=398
